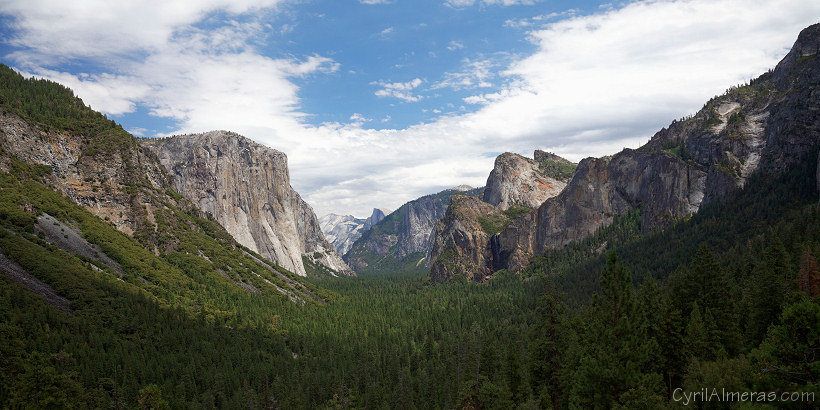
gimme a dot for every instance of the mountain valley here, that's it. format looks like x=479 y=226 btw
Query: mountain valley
x=186 y=272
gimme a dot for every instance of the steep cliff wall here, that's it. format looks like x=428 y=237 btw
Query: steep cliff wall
x=342 y=231
x=403 y=238
x=477 y=238
x=766 y=127
x=245 y=186
x=518 y=181
x=461 y=245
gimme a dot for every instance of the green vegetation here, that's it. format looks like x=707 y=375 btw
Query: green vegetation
x=51 y=104
x=734 y=278
x=561 y=171
x=737 y=118
x=516 y=211
x=388 y=231
x=729 y=298
x=494 y=224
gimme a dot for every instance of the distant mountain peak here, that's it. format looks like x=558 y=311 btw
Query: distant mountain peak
x=462 y=188
x=343 y=230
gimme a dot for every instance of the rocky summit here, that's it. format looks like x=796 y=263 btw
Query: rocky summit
x=245 y=186
x=467 y=241
x=343 y=230
x=520 y=181
x=402 y=239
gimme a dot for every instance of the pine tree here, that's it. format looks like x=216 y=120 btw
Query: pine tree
x=790 y=353
x=699 y=339
x=808 y=278
x=666 y=327
x=772 y=277
x=615 y=348
x=708 y=284
x=548 y=348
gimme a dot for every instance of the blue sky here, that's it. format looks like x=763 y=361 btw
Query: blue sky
x=377 y=102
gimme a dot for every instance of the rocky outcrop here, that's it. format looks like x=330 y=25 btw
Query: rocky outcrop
x=343 y=230
x=122 y=186
x=764 y=127
x=477 y=238
x=518 y=181
x=404 y=236
x=245 y=186
x=461 y=245
x=375 y=217
x=663 y=186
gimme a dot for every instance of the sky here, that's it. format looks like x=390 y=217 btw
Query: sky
x=378 y=102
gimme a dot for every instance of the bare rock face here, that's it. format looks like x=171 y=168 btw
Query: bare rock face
x=663 y=186
x=460 y=245
x=476 y=238
x=113 y=185
x=342 y=231
x=403 y=233
x=518 y=181
x=375 y=217
x=764 y=127
x=245 y=186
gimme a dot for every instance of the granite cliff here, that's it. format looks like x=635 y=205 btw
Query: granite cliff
x=402 y=239
x=109 y=174
x=766 y=126
x=467 y=240
x=87 y=189
x=343 y=230
x=520 y=181
x=245 y=186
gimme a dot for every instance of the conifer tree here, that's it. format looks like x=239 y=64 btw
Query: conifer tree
x=790 y=353
x=699 y=339
x=808 y=278
x=548 y=348
x=772 y=278
x=616 y=350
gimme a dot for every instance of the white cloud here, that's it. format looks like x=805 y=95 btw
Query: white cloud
x=402 y=91
x=467 y=3
x=594 y=85
x=138 y=131
x=374 y=1
x=358 y=120
x=109 y=93
x=530 y=22
x=57 y=29
x=455 y=45
x=386 y=32
x=475 y=74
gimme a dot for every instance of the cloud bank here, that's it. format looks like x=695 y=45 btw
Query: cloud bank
x=594 y=85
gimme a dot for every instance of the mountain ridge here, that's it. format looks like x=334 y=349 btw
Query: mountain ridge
x=401 y=240
x=343 y=230
x=765 y=126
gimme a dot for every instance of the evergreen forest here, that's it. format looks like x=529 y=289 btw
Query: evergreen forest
x=728 y=298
